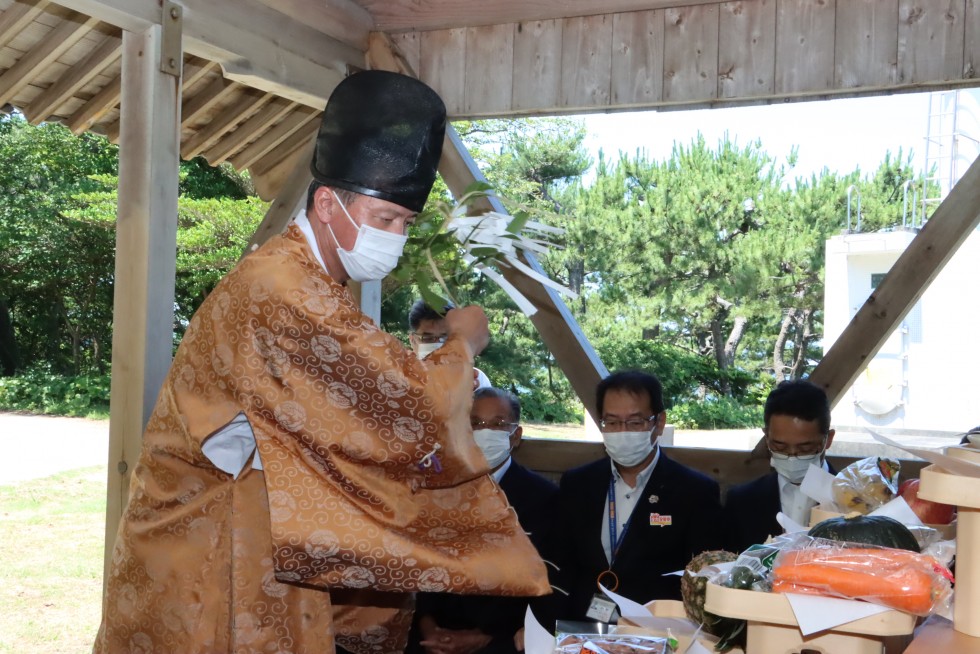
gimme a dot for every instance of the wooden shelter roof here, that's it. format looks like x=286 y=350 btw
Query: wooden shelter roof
x=256 y=73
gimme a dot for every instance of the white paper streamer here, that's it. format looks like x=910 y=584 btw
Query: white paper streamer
x=489 y=230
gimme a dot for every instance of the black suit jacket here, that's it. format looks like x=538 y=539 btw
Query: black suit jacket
x=532 y=497
x=750 y=512
x=689 y=498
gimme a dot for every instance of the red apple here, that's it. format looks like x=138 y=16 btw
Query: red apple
x=931 y=513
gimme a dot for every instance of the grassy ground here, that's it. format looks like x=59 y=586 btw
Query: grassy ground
x=51 y=545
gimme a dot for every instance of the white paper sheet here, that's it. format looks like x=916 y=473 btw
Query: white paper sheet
x=537 y=639
x=900 y=510
x=789 y=525
x=815 y=613
x=952 y=464
x=818 y=485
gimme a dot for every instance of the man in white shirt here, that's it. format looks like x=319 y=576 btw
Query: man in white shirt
x=798 y=434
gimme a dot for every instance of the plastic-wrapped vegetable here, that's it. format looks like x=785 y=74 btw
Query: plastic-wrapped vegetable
x=866 y=484
x=899 y=579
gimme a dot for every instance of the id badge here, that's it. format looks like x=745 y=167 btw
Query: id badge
x=601 y=608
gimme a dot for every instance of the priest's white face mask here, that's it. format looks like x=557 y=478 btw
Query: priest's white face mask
x=375 y=252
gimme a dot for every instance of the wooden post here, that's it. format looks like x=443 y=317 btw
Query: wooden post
x=923 y=259
x=146 y=247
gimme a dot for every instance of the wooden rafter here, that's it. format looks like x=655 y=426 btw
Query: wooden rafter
x=203 y=101
x=198 y=104
x=18 y=16
x=254 y=44
x=273 y=138
x=95 y=109
x=75 y=78
x=51 y=47
x=284 y=151
x=268 y=115
x=195 y=69
x=224 y=122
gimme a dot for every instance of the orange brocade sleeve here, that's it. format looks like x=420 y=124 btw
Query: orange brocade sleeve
x=343 y=417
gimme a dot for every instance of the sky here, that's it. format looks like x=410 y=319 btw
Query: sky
x=840 y=134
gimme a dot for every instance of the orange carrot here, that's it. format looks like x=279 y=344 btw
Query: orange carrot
x=894 y=578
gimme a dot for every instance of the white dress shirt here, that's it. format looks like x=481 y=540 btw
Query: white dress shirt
x=627 y=498
x=793 y=502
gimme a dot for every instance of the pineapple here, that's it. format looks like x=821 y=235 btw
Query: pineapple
x=731 y=632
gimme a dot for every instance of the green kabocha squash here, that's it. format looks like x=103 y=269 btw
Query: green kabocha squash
x=868 y=530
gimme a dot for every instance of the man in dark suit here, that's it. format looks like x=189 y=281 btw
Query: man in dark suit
x=628 y=519
x=455 y=624
x=798 y=434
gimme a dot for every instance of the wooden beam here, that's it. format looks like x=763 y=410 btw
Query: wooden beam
x=344 y=20
x=146 y=243
x=210 y=134
x=422 y=15
x=290 y=199
x=922 y=261
x=269 y=115
x=95 y=109
x=18 y=16
x=41 y=56
x=75 y=78
x=290 y=124
x=254 y=44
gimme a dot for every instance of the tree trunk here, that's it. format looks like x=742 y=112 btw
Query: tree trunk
x=8 y=343
x=805 y=330
x=778 y=365
x=734 y=339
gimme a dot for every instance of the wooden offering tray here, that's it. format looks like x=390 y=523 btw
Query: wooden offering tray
x=773 y=628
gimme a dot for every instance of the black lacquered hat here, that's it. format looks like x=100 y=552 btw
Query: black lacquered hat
x=381 y=135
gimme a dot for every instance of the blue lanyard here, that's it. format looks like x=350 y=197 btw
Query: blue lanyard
x=614 y=543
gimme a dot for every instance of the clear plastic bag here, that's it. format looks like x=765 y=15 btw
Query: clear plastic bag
x=866 y=484
x=899 y=579
x=583 y=638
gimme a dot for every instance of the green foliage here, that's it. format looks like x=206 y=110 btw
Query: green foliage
x=717 y=413
x=42 y=391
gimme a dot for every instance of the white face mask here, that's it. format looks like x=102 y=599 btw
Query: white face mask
x=375 y=254
x=425 y=349
x=793 y=467
x=628 y=448
x=495 y=444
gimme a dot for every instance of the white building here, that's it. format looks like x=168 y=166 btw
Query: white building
x=927 y=375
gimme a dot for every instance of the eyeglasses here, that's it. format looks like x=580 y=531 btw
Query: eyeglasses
x=806 y=449
x=497 y=425
x=632 y=424
x=430 y=338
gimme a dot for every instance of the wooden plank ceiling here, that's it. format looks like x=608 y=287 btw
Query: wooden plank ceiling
x=257 y=72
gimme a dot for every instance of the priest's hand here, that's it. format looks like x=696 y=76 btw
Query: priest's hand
x=470 y=324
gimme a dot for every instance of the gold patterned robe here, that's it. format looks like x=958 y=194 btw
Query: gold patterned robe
x=342 y=417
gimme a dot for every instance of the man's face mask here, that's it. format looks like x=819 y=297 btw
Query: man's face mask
x=794 y=467
x=375 y=253
x=495 y=444
x=628 y=448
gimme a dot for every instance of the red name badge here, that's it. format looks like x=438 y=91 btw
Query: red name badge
x=657 y=520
